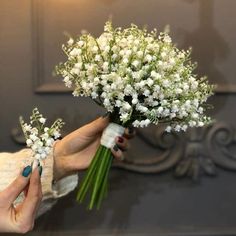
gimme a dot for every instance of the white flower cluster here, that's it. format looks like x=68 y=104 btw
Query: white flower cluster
x=38 y=137
x=139 y=77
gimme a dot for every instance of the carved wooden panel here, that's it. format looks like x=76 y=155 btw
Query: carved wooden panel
x=52 y=18
x=192 y=154
x=189 y=154
x=137 y=204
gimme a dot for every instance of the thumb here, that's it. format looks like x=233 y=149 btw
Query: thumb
x=95 y=127
x=89 y=133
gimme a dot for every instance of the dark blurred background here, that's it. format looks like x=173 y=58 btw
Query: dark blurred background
x=145 y=196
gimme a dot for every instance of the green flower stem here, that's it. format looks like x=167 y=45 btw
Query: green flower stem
x=97 y=182
x=103 y=181
x=99 y=177
x=88 y=183
x=104 y=185
x=96 y=179
x=89 y=176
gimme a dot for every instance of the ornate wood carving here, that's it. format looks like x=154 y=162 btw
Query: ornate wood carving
x=221 y=142
x=187 y=153
x=196 y=158
x=192 y=154
x=170 y=145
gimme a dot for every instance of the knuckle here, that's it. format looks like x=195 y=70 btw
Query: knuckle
x=25 y=228
x=125 y=145
x=40 y=195
x=36 y=193
x=19 y=181
x=121 y=156
x=35 y=181
x=4 y=197
x=118 y=154
x=35 y=197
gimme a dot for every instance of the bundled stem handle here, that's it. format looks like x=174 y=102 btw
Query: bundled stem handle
x=96 y=178
x=109 y=134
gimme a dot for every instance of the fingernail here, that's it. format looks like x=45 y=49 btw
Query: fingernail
x=106 y=115
x=130 y=130
x=120 y=140
x=27 y=171
x=40 y=170
x=115 y=148
x=34 y=164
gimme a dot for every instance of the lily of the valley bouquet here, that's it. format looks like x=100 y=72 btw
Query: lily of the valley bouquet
x=39 y=138
x=140 y=78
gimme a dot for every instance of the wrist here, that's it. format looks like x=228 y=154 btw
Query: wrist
x=61 y=166
x=58 y=167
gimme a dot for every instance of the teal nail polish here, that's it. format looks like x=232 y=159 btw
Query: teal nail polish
x=40 y=169
x=115 y=148
x=27 y=171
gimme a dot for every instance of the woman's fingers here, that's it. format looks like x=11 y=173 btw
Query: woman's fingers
x=17 y=186
x=33 y=198
x=117 y=153
x=25 y=212
x=81 y=138
x=122 y=143
x=95 y=127
x=129 y=133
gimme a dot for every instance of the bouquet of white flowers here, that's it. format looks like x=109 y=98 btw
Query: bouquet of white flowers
x=140 y=78
x=38 y=137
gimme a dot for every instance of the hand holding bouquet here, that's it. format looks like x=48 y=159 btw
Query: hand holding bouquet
x=140 y=79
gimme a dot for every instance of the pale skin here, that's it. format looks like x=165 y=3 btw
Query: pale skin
x=76 y=150
x=71 y=154
x=20 y=218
